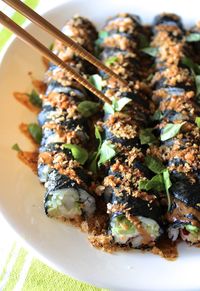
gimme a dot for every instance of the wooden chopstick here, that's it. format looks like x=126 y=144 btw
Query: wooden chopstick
x=51 y=29
x=29 y=39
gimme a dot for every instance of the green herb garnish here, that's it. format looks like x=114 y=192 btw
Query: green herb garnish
x=156 y=183
x=117 y=105
x=159 y=182
x=170 y=130
x=35 y=131
x=107 y=152
x=80 y=154
x=195 y=69
x=95 y=155
x=146 y=136
x=193 y=37
x=111 y=60
x=191 y=65
x=16 y=147
x=197 y=121
x=168 y=184
x=102 y=35
x=143 y=41
x=154 y=164
x=35 y=99
x=149 y=78
x=157 y=115
x=88 y=108
x=197 y=83
x=96 y=81
x=151 y=51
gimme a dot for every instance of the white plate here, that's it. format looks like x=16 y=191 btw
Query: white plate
x=62 y=246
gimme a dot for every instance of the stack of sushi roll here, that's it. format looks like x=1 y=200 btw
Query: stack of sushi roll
x=133 y=213
x=175 y=96
x=66 y=132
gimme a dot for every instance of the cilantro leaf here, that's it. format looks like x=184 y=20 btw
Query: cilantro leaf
x=151 y=51
x=80 y=154
x=88 y=108
x=154 y=164
x=95 y=155
x=168 y=184
x=156 y=183
x=117 y=105
x=96 y=81
x=146 y=136
x=170 y=130
x=107 y=152
x=35 y=131
x=193 y=37
x=191 y=65
x=157 y=115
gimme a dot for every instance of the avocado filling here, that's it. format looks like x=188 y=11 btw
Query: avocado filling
x=190 y=233
x=124 y=231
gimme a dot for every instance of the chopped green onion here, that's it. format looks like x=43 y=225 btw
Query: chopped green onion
x=80 y=154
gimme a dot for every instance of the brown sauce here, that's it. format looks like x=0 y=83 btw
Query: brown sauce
x=23 y=98
x=30 y=159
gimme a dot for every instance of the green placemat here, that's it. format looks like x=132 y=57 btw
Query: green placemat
x=19 y=270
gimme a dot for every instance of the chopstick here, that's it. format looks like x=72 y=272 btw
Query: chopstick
x=29 y=39
x=56 y=33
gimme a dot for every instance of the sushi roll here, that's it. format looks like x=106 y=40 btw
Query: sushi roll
x=134 y=214
x=175 y=94
x=65 y=132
